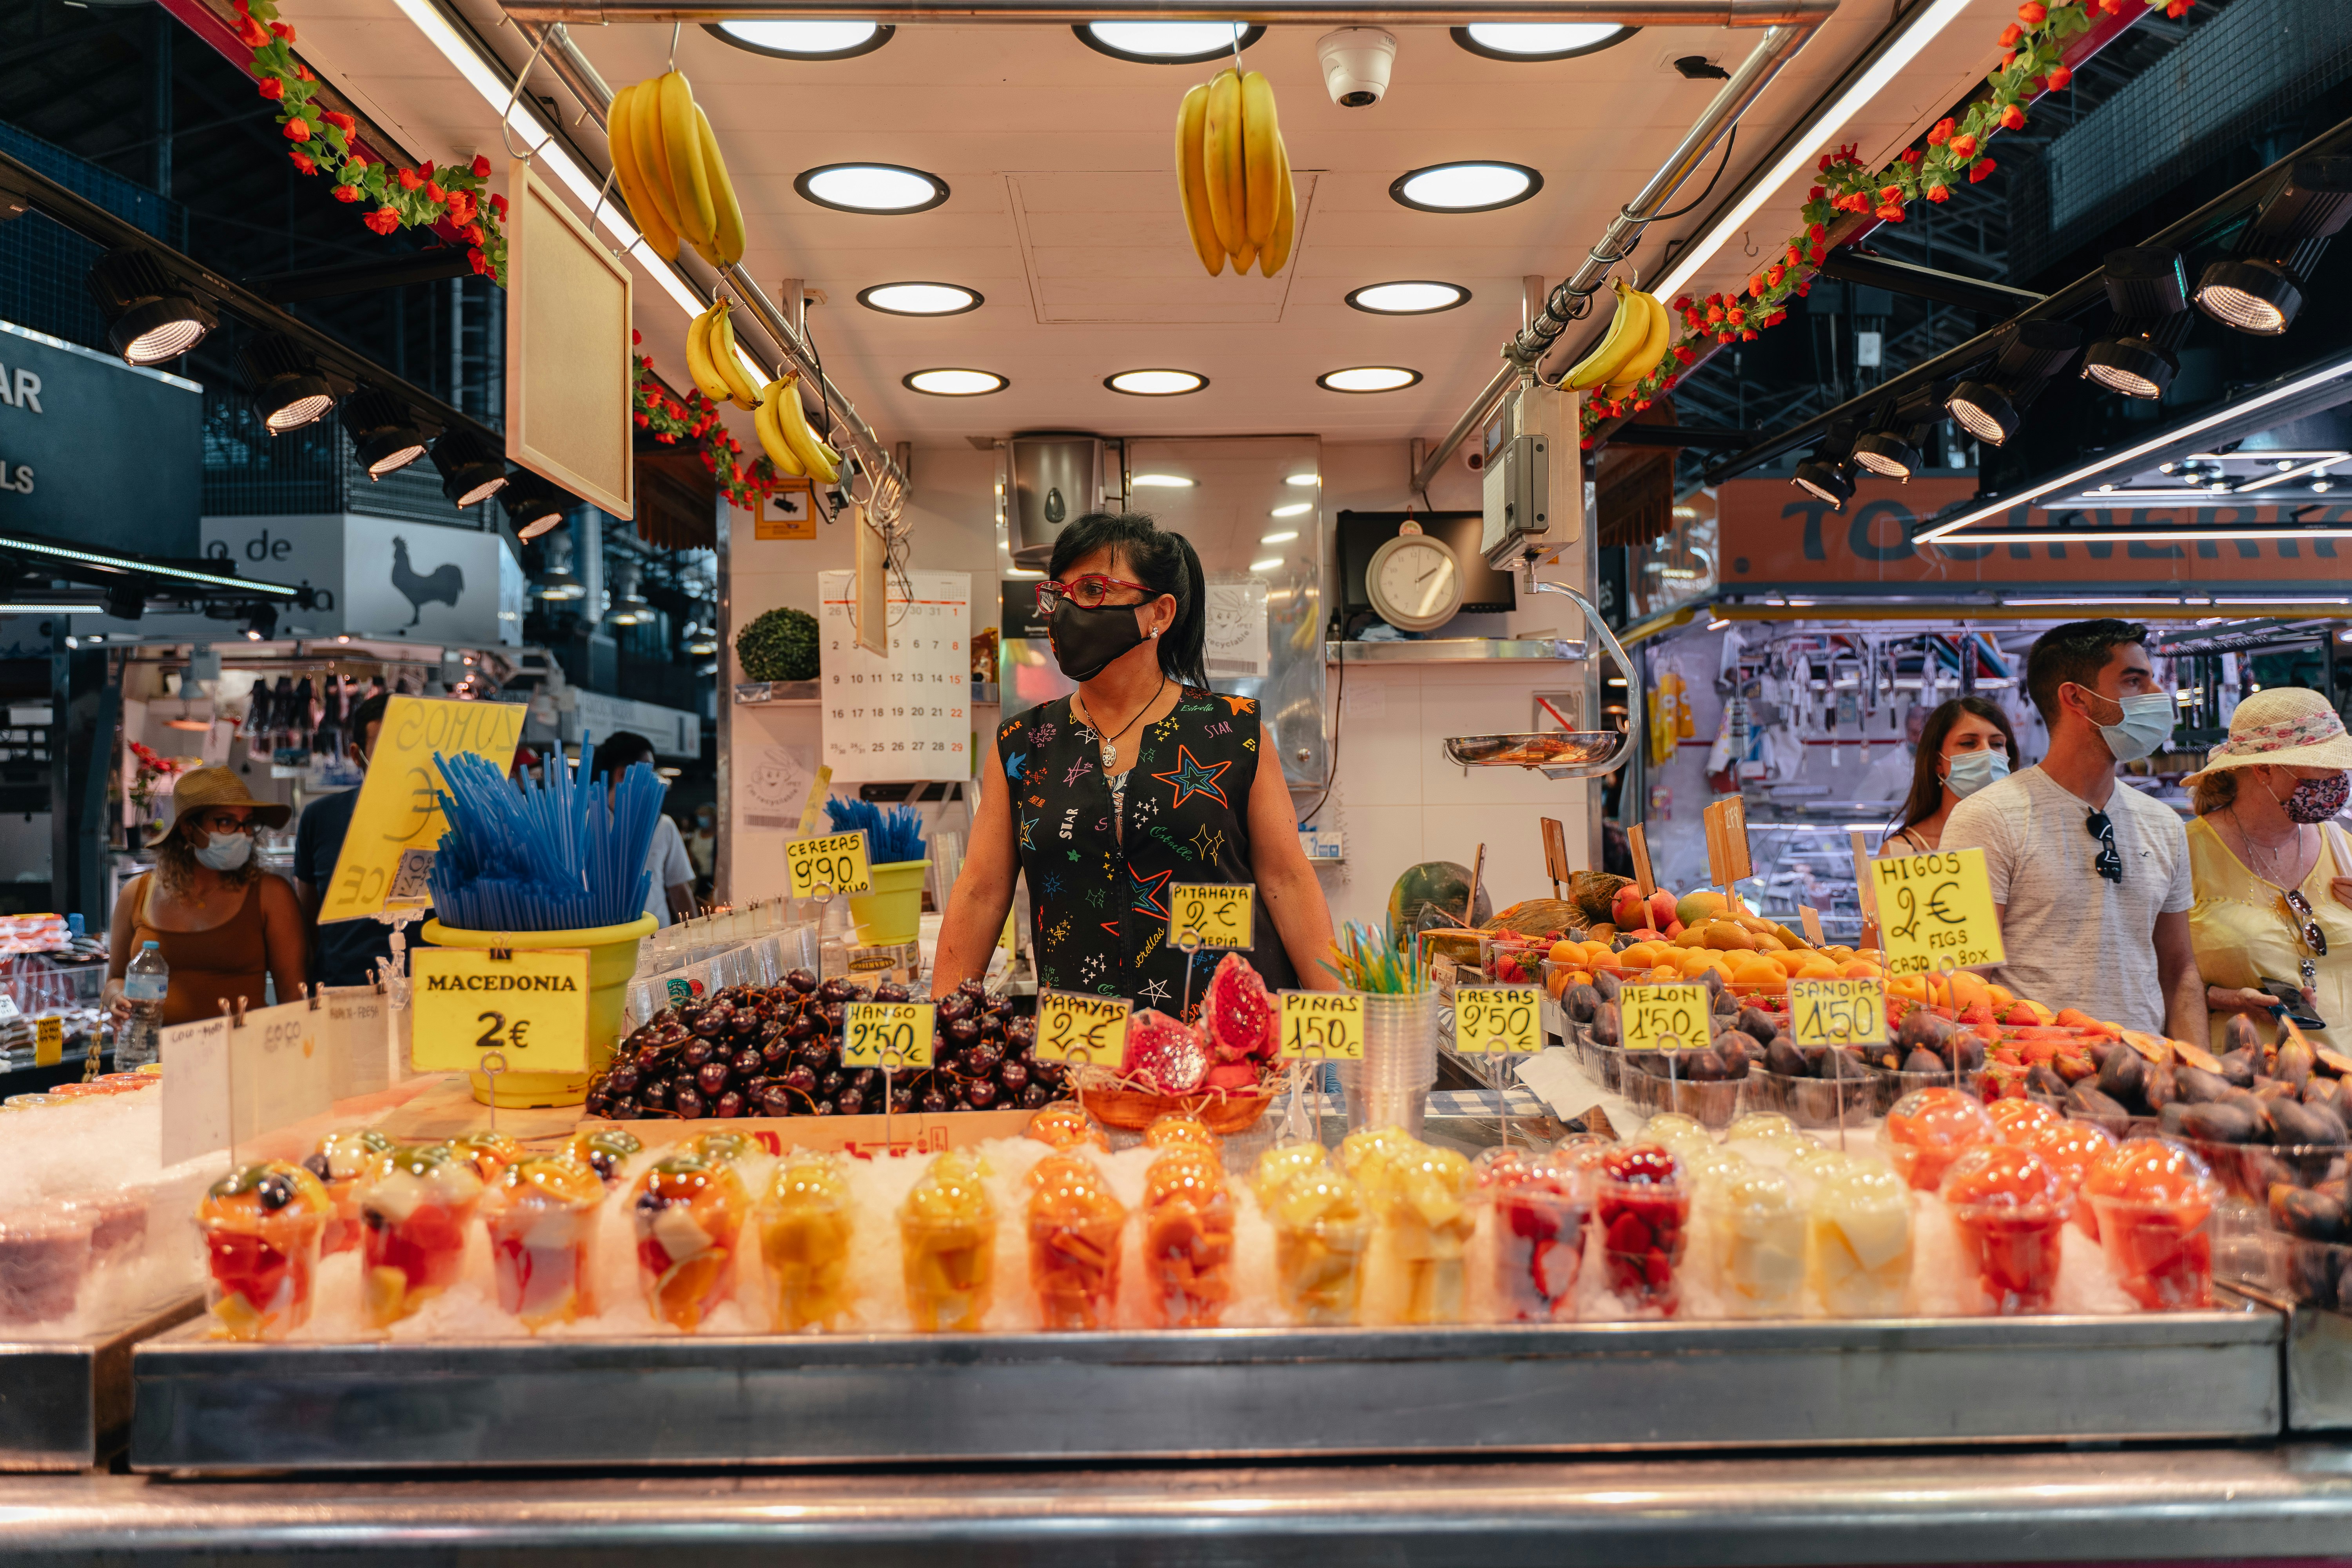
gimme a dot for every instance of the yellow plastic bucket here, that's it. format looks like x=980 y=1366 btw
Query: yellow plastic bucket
x=893 y=912
x=612 y=959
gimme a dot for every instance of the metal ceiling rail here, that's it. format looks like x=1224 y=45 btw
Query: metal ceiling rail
x=1780 y=42
x=1294 y=13
x=2081 y=294
x=585 y=83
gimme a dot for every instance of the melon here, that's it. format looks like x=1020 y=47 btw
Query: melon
x=1164 y=1053
x=1238 y=1012
x=1433 y=884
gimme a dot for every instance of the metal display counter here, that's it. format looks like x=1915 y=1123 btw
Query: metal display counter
x=64 y=1404
x=1240 y=1394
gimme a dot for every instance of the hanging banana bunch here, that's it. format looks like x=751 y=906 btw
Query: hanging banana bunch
x=711 y=359
x=786 y=436
x=1233 y=174
x=670 y=173
x=1638 y=337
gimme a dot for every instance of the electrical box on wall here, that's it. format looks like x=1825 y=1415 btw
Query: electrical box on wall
x=1534 y=503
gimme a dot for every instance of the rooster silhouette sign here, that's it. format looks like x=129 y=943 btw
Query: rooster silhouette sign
x=442 y=585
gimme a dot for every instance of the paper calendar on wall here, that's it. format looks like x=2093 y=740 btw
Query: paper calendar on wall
x=908 y=716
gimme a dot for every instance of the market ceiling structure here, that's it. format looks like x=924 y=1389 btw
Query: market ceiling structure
x=1061 y=211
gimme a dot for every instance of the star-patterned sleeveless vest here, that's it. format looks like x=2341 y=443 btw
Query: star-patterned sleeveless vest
x=1098 y=898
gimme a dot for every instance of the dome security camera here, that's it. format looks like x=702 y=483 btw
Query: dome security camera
x=1356 y=64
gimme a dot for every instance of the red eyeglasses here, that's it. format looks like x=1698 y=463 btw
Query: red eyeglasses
x=1089 y=592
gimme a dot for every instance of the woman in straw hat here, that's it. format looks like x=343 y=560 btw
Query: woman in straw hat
x=222 y=922
x=2274 y=873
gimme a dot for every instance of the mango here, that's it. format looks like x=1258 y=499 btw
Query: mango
x=1725 y=936
x=1705 y=904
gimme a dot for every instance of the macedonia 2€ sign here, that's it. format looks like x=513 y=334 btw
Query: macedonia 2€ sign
x=530 y=1005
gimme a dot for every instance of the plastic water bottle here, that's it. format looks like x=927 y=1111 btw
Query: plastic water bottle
x=144 y=982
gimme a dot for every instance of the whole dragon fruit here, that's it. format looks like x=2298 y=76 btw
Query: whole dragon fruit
x=1239 y=1012
x=1164 y=1053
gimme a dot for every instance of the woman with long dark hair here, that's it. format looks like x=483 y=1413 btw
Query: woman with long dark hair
x=1140 y=780
x=1966 y=744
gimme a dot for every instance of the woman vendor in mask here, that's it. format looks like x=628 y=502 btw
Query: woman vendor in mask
x=1141 y=780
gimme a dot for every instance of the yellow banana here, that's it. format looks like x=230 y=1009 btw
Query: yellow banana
x=1276 y=254
x=652 y=159
x=1261 y=196
x=726 y=361
x=1221 y=161
x=689 y=186
x=772 y=439
x=707 y=378
x=1653 y=349
x=1245 y=256
x=620 y=141
x=1191 y=180
x=821 y=460
x=726 y=245
x=1627 y=329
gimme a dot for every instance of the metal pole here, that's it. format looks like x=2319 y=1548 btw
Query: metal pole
x=1296 y=13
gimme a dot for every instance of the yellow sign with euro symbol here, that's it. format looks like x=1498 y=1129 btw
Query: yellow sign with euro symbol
x=893 y=1035
x=1837 y=1012
x=529 y=1004
x=1322 y=1026
x=1935 y=912
x=1073 y=1027
x=1665 y=1017
x=399 y=807
x=1496 y=1019
x=1219 y=914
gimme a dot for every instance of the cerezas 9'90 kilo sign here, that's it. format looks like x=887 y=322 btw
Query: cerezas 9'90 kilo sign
x=530 y=1005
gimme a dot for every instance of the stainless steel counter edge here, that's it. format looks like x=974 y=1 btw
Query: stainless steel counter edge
x=1949 y=1507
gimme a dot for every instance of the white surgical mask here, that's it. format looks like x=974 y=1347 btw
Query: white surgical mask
x=1964 y=773
x=226 y=851
x=2146 y=726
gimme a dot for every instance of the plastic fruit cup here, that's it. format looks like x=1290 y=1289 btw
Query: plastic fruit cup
x=1074 y=1226
x=261 y=1227
x=1858 y=1241
x=1322 y=1228
x=1926 y=1130
x=1188 y=1239
x=1759 y=1234
x=805 y=1221
x=1642 y=1208
x=2009 y=1210
x=2072 y=1148
x=687 y=1216
x=1540 y=1202
x=542 y=1223
x=1430 y=1221
x=2155 y=1200
x=339 y=1161
x=415 y=1210
x=44 y=1253
x=947 y=1239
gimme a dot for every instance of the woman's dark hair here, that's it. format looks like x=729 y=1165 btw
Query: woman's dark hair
x=1163 y=562
x=1926 y=785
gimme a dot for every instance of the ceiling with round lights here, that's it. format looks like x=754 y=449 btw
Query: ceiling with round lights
x=1167 y=43
x=1470 y=188
x=871 y=188
x=803 y=40
x=919 y=298
x=1368 y=378
x=948 y=382
x=1415 y=297
x=1156 y=383
x=1525 y=41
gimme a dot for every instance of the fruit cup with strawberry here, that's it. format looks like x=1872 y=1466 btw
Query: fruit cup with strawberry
x=261 y=1227
x=415 y=1208
x=2008 y=1209
x=541 y=1215
x=689 y=1215
x=339 y=1161
x=1642 y=1208
x=1539 y=1202
x=2153 y=1199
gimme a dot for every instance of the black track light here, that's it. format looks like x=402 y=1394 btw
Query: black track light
x=150 y=318
x=1827 y=474
x=472 y=470
x=2261 y=289
x=383 y=433
x=2146 y=281
x=2135 y=366
x=284 y=379
x=533 y=505
x=2149 y=289
x=1989 y=406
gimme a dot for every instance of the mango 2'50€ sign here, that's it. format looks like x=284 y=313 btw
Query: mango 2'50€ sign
x=399 y=805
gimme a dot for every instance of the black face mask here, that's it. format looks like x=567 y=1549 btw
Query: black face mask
x=1086 y=642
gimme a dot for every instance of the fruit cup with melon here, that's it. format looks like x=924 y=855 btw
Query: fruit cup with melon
x=688 y=1214
x=1858 y=1240
x=805 y=1221
x=542 y=1216
x=339 y=1161
x=1188 y=1238
x=606 y=1151
x=414 y=1212
x=2153 y=1198
x=1423 y=1196
x=261 y=1227
x=947 y=1239
x=1074 y=1242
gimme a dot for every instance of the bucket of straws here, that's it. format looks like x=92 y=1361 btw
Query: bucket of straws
x=892 y=911
x=561 y=865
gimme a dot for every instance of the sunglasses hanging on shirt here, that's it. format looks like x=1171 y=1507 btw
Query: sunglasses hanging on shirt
x=2109 y=861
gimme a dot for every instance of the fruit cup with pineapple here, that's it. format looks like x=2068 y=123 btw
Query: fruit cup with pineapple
x=339 y=1161
x=947 y=1240
x=689 y=1217
x=1322 y=1228
x=261 y=1226
x=541 y=1215
x=415 y=1210
x=805 y=1220
x=1424 y=1196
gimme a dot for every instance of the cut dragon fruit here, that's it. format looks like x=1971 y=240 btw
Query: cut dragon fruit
x=1240 y=1013
x=1169 y=1056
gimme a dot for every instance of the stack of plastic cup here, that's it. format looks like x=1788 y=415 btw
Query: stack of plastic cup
x=1390 y=1087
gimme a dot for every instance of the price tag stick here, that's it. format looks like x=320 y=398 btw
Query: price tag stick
x=493 y=1064
x=1189 y=943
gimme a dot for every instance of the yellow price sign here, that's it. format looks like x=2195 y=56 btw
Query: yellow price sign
x=893 y=1034
x=1222 y=914
x=1323 y=1026
x=1663 y=1017
x=530 y=1005
x=1837 y=1012
x=1073 y=1027
x=48 y=1041
x=399 y=804
x=838 y=860
x=1486 y=1014
x=1936 y=911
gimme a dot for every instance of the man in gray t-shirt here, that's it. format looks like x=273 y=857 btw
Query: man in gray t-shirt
x=2091 y=877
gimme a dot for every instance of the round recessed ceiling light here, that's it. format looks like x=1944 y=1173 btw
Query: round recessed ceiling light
x=1465 y=187
x=1167 y=43
x=1368 y=378
x=1160 y=482
x=803 y=40
x=872 y=188
x=1155 y=383
x=948 y=383
x=1416 y=297
x=919 y=298
x=1540 y=40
